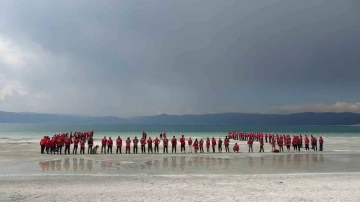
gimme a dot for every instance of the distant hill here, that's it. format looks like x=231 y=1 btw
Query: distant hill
x=308 y=118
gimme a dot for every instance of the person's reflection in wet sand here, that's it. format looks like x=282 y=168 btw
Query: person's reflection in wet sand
x=89 y=165
x=58 y=165
x=182 y=162
x=66 y=164
x=52 y=165
x=207 y=162
x=321 y=158
x=213 y=162
x=109 y=164
x=227 y=163
x=156 y=164
x=297 y=160
x=189 y=162
x=201 y=161
x=82 y=164
x=148 y=164
x=47 y=165
x=196 y=161
x=281 y=160
x=173 y=162
x=262 y=161
x=273 y=161
x=251 y=162
x=165 y=163
x=42 y=165
x=220 y=160
x=314 y=158
x=103 y=165
x=307 y=160
x=75 y=164
x=288 y=159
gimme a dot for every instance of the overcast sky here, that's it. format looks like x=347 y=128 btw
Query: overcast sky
x=129 y=57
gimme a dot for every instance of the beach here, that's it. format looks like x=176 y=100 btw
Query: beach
x=330 y=175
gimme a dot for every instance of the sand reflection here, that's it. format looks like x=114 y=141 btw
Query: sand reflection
x=182 y=163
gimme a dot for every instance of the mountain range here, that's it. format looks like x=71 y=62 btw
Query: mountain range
x=307 y=118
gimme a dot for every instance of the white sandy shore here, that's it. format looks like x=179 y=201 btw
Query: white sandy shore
x=249 y=177
x=324 y=187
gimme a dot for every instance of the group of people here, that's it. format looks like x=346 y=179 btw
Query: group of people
x=58 y=141
x=279 y=141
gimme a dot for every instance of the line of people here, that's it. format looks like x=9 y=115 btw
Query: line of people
x=153 y=145
x=58 y=141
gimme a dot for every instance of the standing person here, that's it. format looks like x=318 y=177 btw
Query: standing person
x=213 y=144
x=173 y=145
x=149 y=142
x=196 y=145
x=103 y=145
x=250 y=144
x=295 y=143
x=220 y=145
x=281 y=143
x=261 y=145
x=60 y=144
x=321 y=142
x=190 y=144
x=42 y=144
x=118 y=145
x=90 y=144
x=48 y=144
x=82 y=146
x=53 y=146
x=135 y=147
x=288 y=144
x=67 y=145
x=315 y=144
x=207 y=145
x=110 y=145
x=182 y=144
x=127 y=145
x=76 y=143
x=165 y=143
x=226 y=143
x=306 y=143
x=143 y=143
x=201 y=146
x=156 y=143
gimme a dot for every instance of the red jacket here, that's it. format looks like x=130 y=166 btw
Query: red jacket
x=156 y=141
x=182 y=141
x=104 y=141
x=165 y=142
x=190 y=142
x=149 y=141
x=119 y=142
x=67 y=142
x=76 y=142
x=110 y=142
x=173 y=141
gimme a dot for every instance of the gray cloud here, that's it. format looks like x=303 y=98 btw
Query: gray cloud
x=145 y=57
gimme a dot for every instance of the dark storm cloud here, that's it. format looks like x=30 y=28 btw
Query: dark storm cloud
x=146 y=57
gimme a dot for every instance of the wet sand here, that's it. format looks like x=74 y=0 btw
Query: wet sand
x=331 y=175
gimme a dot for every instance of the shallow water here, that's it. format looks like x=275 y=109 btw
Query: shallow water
x=191 y=164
